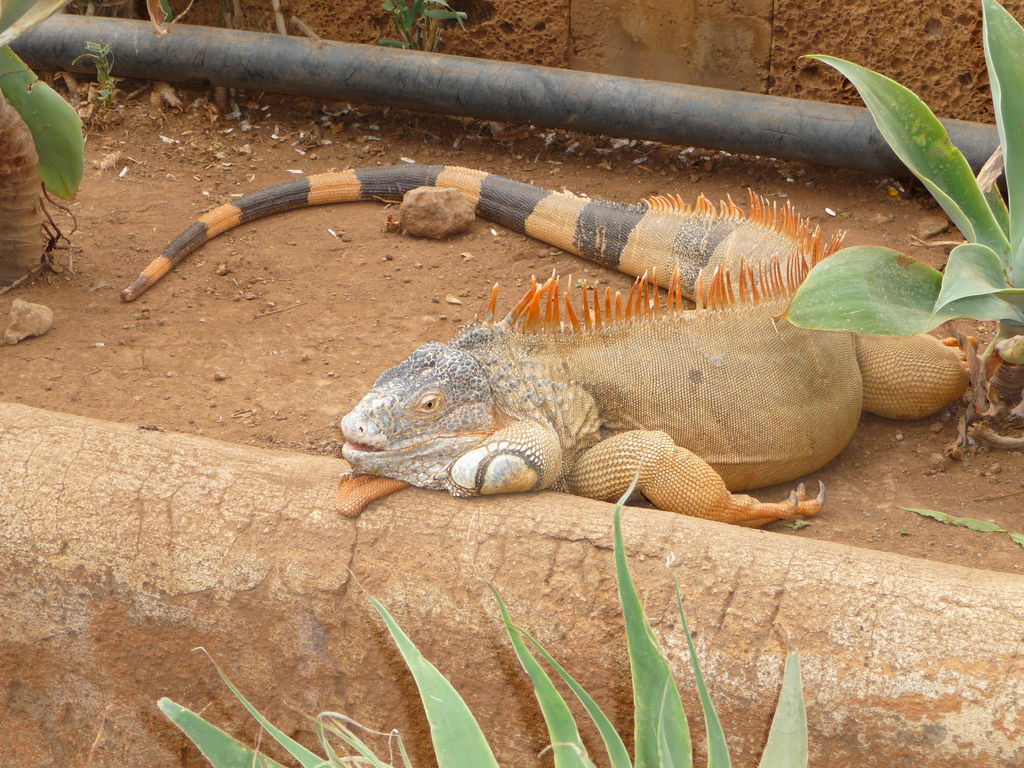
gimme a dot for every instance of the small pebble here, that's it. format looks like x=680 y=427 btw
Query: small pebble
x=219 y=376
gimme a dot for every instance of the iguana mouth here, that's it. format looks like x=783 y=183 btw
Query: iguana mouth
x=360 y=447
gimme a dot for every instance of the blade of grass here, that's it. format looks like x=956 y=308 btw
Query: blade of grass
x=220 y=749
x=658 y=712
x=718 y=750
x=565 y=737
x=458 y=740
x=324 y=723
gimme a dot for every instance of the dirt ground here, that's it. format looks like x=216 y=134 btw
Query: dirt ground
x=273 y=331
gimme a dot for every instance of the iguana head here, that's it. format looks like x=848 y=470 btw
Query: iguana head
x=420 y=416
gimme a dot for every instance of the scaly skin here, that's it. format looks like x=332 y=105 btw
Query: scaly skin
x=704 y=403
x=655 y=235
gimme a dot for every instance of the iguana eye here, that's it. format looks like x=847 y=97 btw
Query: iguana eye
x=429 y=402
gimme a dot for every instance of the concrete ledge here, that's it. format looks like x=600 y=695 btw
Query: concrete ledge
x=123 y=550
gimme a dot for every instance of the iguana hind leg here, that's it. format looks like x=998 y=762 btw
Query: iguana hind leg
x=909 y=377
x=675 y=479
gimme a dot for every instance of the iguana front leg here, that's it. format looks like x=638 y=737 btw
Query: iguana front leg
x=675 y=479
x=522 y=456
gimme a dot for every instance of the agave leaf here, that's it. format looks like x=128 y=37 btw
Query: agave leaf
x=19 y=16
x=999 y=209
x=975 y=286
x=868 y=289
x=304 y=756
x=617 y=754
x=661 y=728
x=1003 y=38
x=787 y=739
x=55 y=126
x=922 y=143
x=565 y=737
x=220 y=749
x=718 y=750
x=458 y=740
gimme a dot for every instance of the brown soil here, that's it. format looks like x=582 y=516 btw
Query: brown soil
x=316 y=303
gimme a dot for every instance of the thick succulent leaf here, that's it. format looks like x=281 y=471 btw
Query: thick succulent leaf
x=19 y=16
x=718 y=750
x=922 y=143
x=661 y=729
x=1004 y=52
x=55 y=126
x=304 y=756
x=618 y=757
x=787 y=739
x=870 y=290
x=565 y=738
x=975 y=286
x=220 y=749
x=458 y=740
x=999 y=209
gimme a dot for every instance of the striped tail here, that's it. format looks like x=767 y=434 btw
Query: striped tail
x=654 y=236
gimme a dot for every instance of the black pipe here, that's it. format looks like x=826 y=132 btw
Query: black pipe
x=771 y=126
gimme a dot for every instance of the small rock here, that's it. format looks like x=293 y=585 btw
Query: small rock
x=218 y=376
x=899 y=435
x=452 y=300
x=936 y=427
x=930 y=225
x=435 y=212
x=223 y=269
x=27 y=320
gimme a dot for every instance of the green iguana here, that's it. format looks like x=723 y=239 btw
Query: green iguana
x=704 y=402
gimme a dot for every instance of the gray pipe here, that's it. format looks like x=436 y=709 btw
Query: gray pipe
x=790 y=129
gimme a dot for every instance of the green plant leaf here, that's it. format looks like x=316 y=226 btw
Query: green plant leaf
x=1018 y=538
x=922 y=143
x=999 y=209
x=220 y=749
x=1003 y=39
x=974 y=285
x=55 y=126
x=19 y=16
x=787 y=739
x=718 y=750
x=868 y=289
x=658 y=711
x=458 y=740
x=304 y=756
x=942 y=517
x=566 y=744
x=617 y=754
x=335 y=724
x=984 y=526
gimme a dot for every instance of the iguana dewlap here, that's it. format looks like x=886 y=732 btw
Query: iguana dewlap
x=705 y=402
